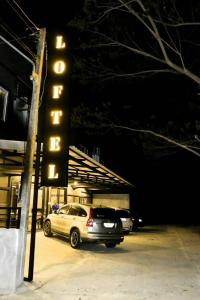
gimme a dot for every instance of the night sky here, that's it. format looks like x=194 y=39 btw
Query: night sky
x=166 y=177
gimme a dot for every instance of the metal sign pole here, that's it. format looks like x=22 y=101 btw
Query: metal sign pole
x=32 y=131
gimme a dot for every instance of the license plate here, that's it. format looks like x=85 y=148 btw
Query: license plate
x=108 y=225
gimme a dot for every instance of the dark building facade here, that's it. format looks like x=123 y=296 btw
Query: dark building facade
x=15 y=93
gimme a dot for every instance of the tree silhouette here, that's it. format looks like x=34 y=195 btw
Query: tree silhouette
x=139 y=39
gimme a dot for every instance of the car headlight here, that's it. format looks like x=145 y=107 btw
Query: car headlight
x=140 y=220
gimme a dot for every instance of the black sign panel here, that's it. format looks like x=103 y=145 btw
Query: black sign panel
x=56 y=118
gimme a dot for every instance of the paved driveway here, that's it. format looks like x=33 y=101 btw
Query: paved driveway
x=156 y=263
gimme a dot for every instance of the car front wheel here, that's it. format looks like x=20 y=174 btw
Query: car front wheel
x=47 y=229
x=110 y=245
x=75 y=239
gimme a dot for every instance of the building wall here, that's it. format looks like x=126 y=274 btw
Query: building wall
x=9 y=190
x=112 y=200
x=79 y=195
x=15 y=74
x=3 y=192
x=49 y=196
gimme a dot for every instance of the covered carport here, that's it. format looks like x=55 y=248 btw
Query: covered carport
x=86 y=178
x=88 y=181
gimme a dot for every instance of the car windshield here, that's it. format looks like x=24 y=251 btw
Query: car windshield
x=123 y=213
x=104 y=213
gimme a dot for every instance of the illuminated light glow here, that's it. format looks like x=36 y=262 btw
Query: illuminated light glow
x=59 y=67
x=56 y=114
x=52 y=172
x=60 y=44
x=57 y=91
x=54 y=143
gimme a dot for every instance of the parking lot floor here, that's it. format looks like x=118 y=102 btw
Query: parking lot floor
x=157 y=262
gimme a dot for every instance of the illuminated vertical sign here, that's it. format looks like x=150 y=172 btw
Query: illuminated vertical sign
x=55 y=127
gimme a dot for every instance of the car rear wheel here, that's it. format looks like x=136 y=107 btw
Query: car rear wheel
x=47 y=229
x=75 y=239
x=110 y=245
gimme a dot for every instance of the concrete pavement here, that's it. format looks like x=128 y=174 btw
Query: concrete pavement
x=156 y=263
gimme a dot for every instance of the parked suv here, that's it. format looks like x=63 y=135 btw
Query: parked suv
x=126 y=218
x=81 y=222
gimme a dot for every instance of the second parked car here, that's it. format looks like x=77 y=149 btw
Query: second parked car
x=137 y=222
x=85 y=223
x=126 y=218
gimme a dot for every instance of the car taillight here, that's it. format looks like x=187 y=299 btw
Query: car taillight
x=90 y=219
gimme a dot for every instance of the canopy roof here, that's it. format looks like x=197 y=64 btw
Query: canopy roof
x=82 y=169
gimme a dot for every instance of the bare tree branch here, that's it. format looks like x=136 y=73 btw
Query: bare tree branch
x=145 y=73
x=183 y=24
x=150 y=23
x=160 y=136
x=174 y=66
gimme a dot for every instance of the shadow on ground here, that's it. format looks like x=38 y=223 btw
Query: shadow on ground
x=92 y=246
x=153 y=229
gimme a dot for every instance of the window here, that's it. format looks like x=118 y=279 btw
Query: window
x=73 y=211
x=123 y=213
x=82 y=212
x=64 y=210
x=3 y=103
x=104 y=213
